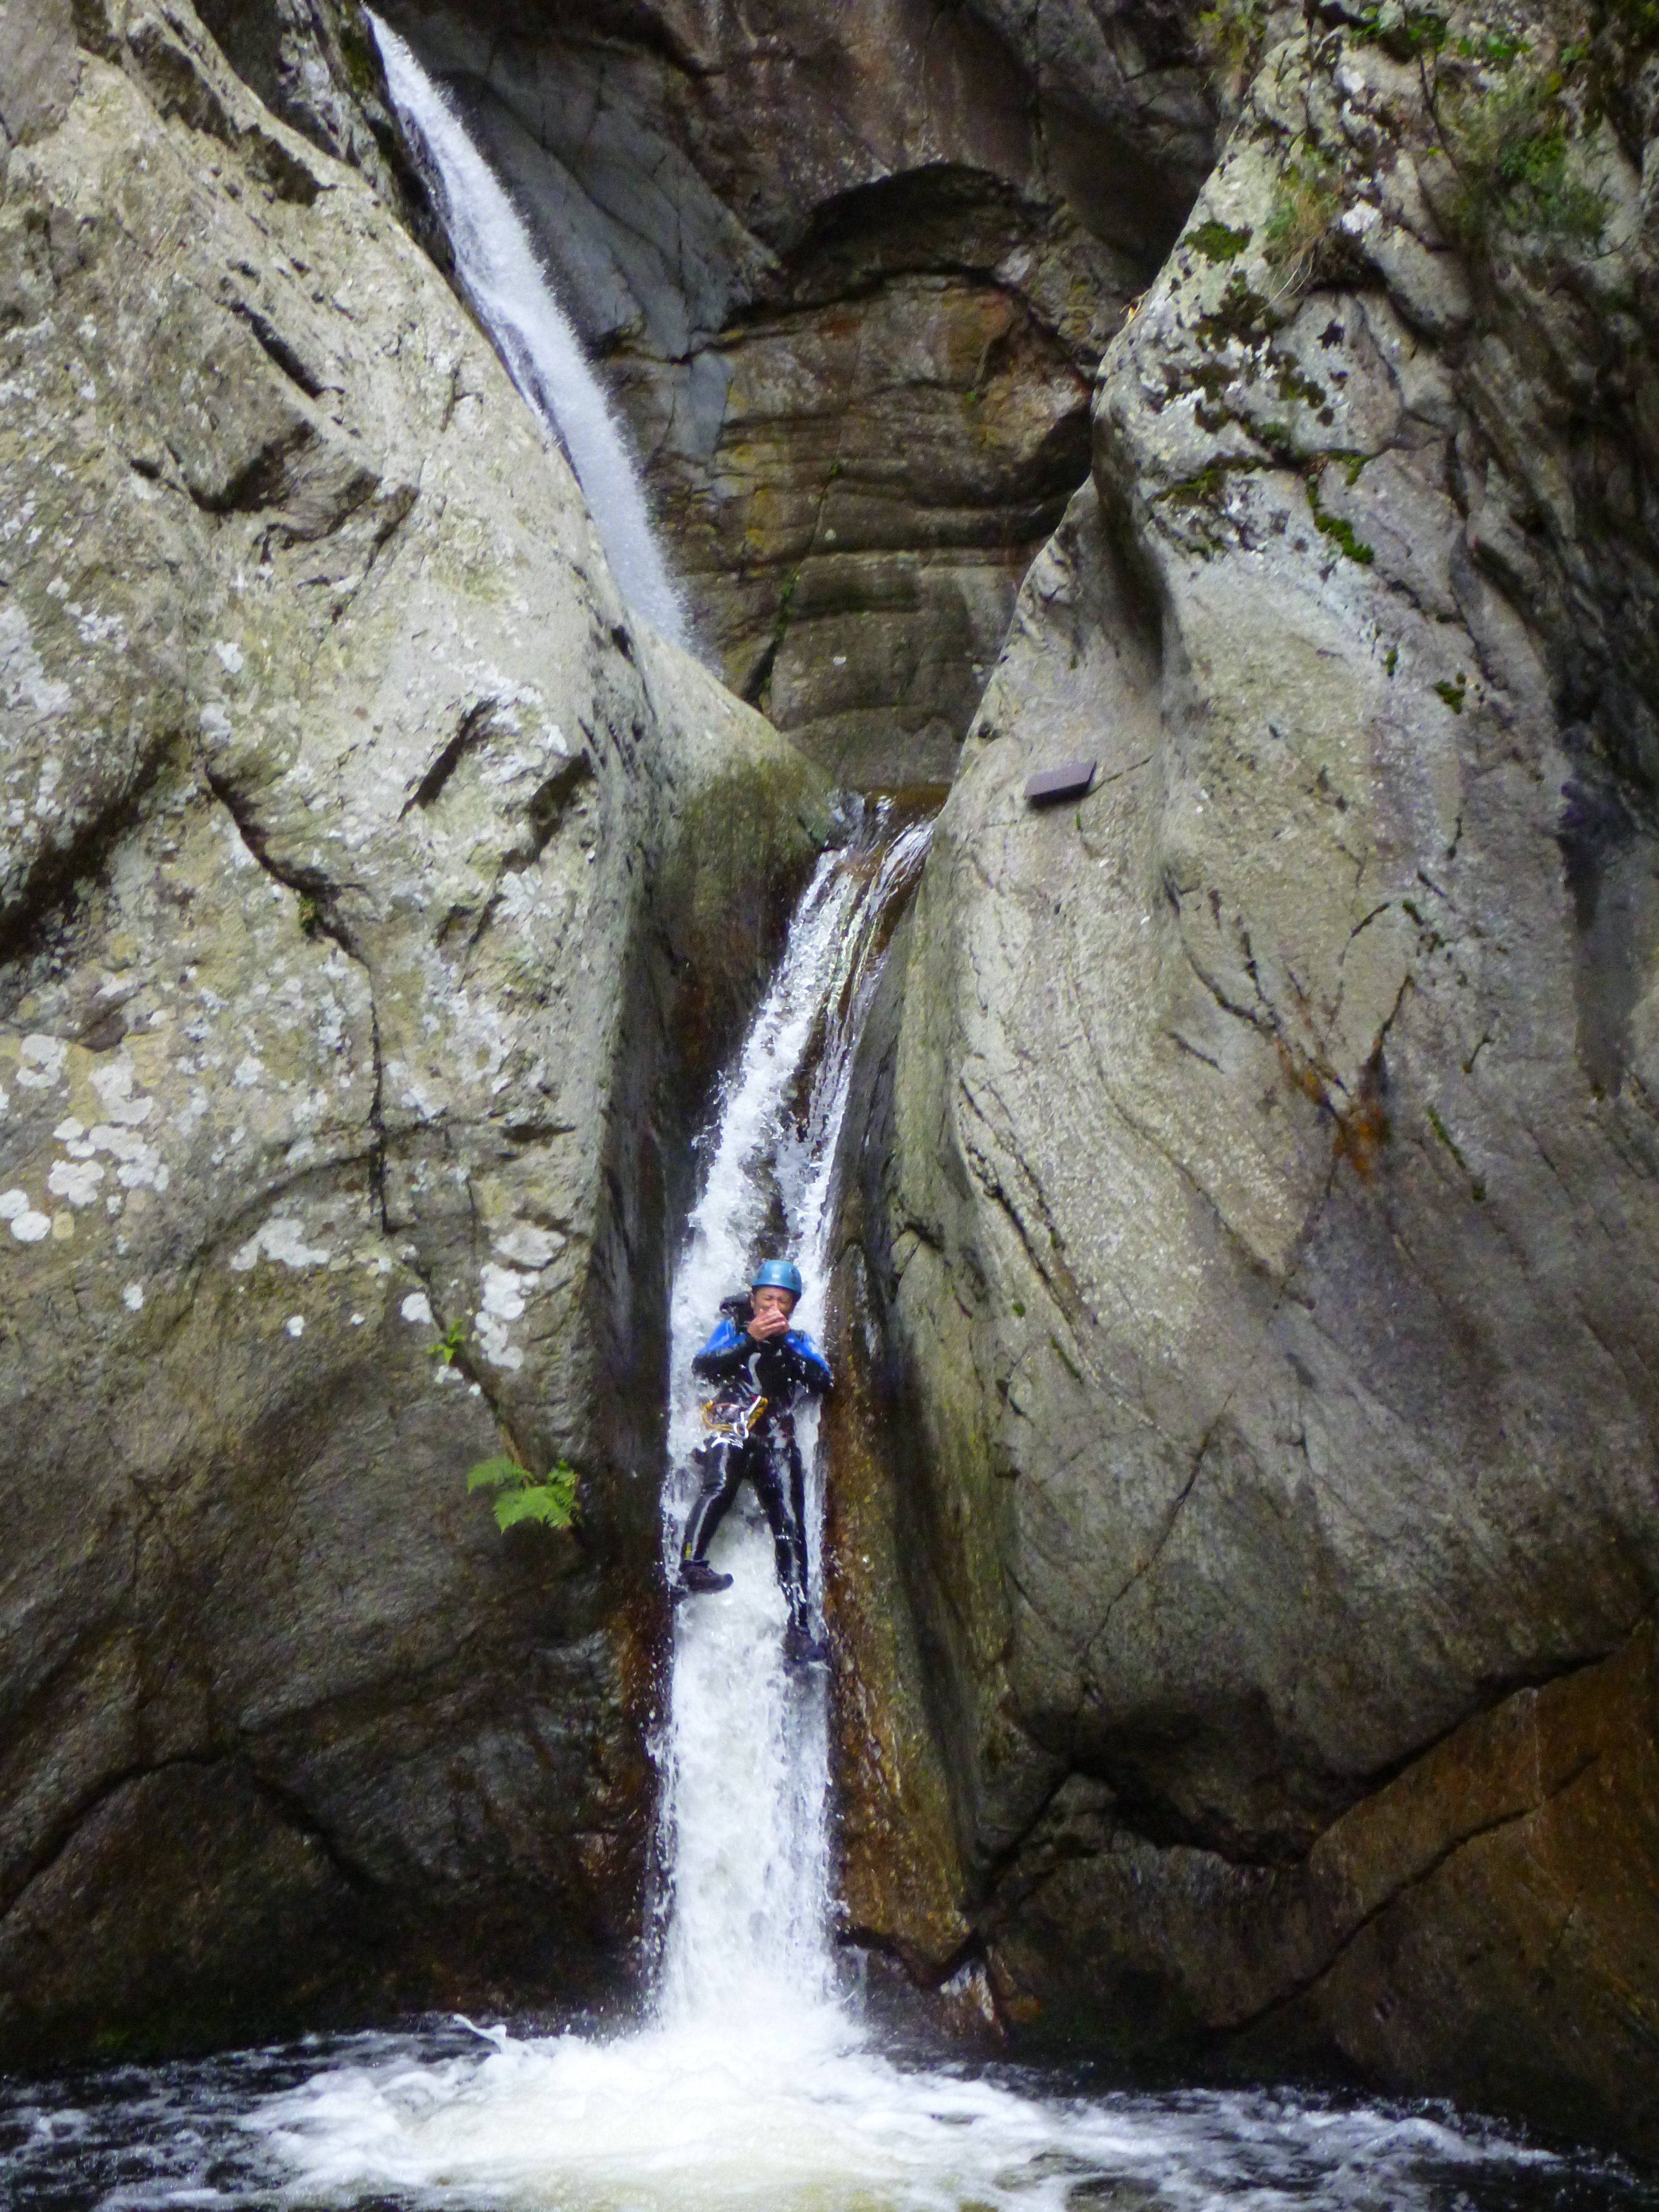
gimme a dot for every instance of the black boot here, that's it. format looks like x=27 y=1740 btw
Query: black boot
x=699 y=1579
x=802 y=1648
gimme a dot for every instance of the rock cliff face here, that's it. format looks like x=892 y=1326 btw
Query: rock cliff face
x=356 y=851
x=853 y=269
x=1258 y=1199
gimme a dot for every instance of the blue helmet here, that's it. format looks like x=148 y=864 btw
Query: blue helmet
x=777 y=1275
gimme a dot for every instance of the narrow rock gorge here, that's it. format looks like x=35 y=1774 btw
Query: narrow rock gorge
x=852 y=271
x=1243 y=1524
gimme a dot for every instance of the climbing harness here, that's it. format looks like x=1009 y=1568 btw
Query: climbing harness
x=733 y=1421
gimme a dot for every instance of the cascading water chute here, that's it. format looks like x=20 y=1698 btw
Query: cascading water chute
x=757 y=2083
x=502 y=276
x=744 y=1845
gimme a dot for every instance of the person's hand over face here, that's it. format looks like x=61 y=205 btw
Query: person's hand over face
x=772 y=1311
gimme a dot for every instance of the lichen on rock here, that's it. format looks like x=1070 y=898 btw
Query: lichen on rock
x=357 y=847
x=1257 y=1235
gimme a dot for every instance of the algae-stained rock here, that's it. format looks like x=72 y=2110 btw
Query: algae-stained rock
x=1262 y=1236
x=355 y=863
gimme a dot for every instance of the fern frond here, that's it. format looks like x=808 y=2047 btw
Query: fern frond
x=494 y=1474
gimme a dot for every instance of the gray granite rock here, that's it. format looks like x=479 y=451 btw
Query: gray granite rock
x=1262 y=1218
x=368 y=880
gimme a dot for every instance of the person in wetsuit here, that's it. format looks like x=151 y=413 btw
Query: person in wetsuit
x=761 y=1368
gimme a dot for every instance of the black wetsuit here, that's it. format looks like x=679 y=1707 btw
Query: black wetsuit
x=768 y=1455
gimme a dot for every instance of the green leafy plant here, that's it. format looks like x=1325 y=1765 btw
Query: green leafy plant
x=1403 y=31
x=1454 y=693
x=520 y=1496
x=1511 y=145
x=451 y=1344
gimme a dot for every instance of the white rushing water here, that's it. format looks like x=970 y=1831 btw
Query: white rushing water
x=504 y=277
x=747 y=1783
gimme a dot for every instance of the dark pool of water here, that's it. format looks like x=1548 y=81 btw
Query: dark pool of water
x=197 y=2134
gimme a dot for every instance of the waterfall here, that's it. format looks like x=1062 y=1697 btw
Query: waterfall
x=753 y=2087
x=502 y=276
x=743 y=1837
x=753 y=2083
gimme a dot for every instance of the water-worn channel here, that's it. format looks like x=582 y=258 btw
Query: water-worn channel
x=755 y=2078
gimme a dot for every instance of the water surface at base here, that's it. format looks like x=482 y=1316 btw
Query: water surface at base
x=794 y=2118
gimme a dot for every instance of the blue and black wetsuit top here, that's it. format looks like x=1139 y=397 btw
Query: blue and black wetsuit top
x=778 y=1371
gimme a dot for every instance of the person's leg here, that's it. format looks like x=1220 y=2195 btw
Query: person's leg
x=722 y=1472
x=779 y=1486
x=770 y=1487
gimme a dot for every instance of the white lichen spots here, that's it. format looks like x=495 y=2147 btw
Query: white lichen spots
x=98 y=629
x=530 y=1247
x=249 y=1070
x=356 y=1321
x=113 y=1084
x=214 y=722
x=28 y=1227
x=133 y=1297
x=12 y=1203
x=139 y=1165
x=504 y=1293
x=24 y=684
x=46 y=788
x=70 y=1132
x=40 y=1062
x=417 y=1308
x=295 y=1324
x=417 y=1099
x=76 y=1180
x=281 y=1238
x=230 y=656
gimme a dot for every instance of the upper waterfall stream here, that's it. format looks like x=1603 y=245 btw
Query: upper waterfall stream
x=501 y=274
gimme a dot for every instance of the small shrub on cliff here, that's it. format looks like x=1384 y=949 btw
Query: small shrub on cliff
x=519 y=1497
x=1231 y=37
x=1510 y=144
x=1307 y=204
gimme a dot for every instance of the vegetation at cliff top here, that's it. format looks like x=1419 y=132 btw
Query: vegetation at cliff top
x=1509 y=111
